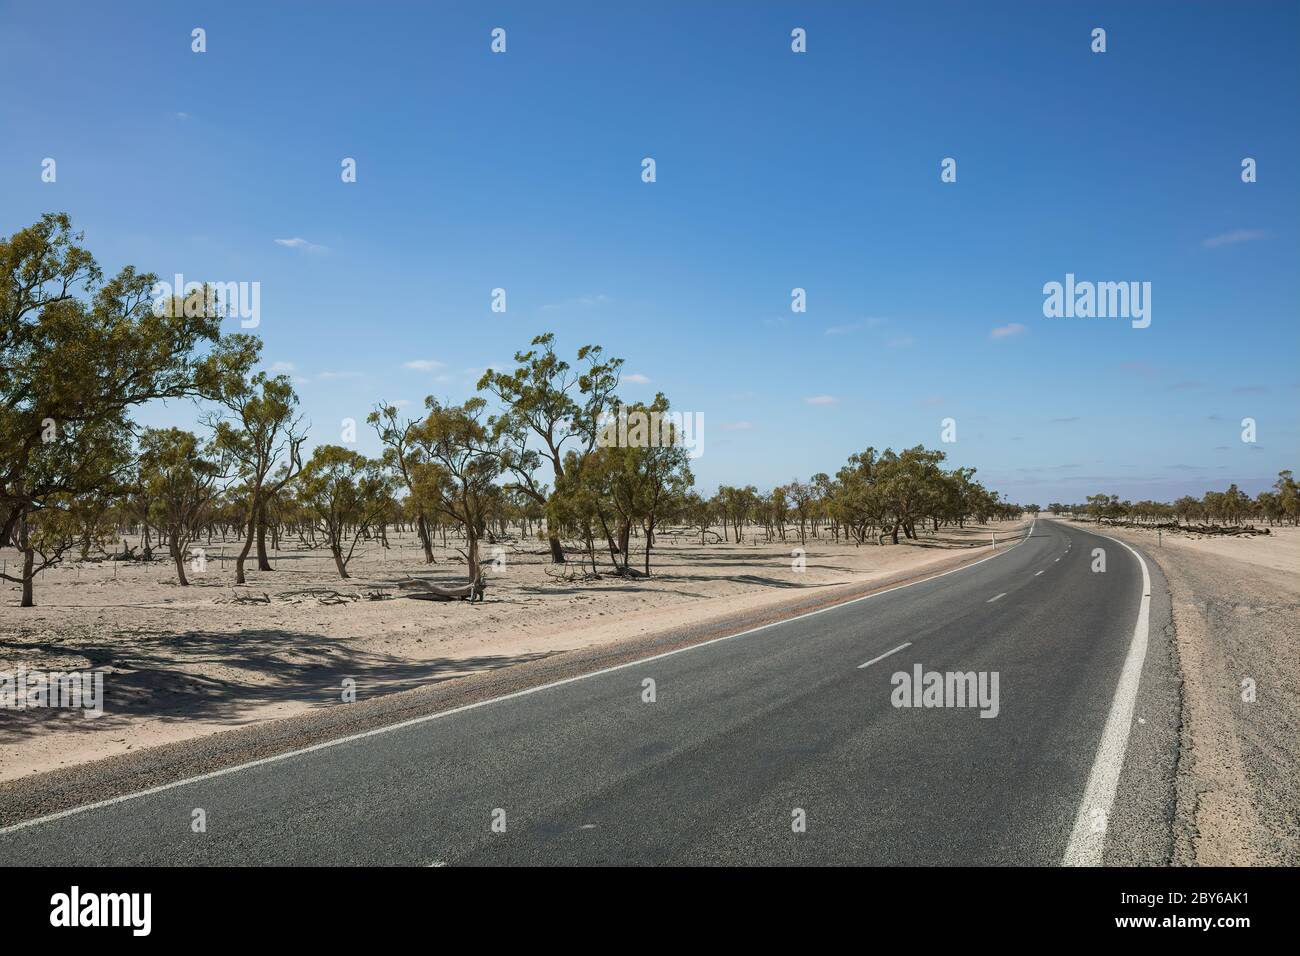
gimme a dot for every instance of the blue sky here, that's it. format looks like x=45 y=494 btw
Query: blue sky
x=775 y=171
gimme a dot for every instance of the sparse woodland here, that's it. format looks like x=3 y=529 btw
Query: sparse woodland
x=522 y=459
x=1217 y=512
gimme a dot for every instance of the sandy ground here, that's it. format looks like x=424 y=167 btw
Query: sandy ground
x=1236 y=605
x=185 y=662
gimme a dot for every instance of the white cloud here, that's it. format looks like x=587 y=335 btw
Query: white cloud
x=1237 y=235
x=844 y=329
x=278 y=367
x=297 y=243
x=337 y=376
x=822 y=400
x=423 y=365
x=1006 y=331
x=581 y=302
x=636 y=378
x=737 y=426
x=900 y=342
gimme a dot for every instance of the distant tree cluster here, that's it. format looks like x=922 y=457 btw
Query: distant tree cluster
x=876 y=495
x=79 y=353
x=1278 y=506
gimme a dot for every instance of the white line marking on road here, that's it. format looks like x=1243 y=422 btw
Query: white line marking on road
x=437 y=863
x=389 y=728
x=995 y=597
x=1089 y=836
x=1058 y=559
x=884 y=655
x=1037 y=573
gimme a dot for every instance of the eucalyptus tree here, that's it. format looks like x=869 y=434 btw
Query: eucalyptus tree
x=803 y=499
x=658 y=474
x=80 y=474
x=345 y=495
x=1288 y=495
x=263 y=435
x=77 y=354
x=458 y=468
x=179 y=475
x=908 y=483
x=401 y=454
x=738 y=506
x=697 y=512
x=856 y=496
x=546 y=401
x=825 y=489
x=633 y=484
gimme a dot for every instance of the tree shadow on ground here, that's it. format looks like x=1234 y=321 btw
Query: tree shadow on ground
x=162 y=680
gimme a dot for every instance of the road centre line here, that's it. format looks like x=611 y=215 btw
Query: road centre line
x=884 y=655
x=414 y=721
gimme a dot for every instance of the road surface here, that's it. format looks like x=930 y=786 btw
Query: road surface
x=777 y=746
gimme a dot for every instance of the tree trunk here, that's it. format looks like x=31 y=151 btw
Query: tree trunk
x=29 y=564
x=243 y=552
x=338 y=561
x=179 y=557
x=624 y=541
x=422 y=525
x=472 y=552
x=557 y=552
x=263 y=564
x=609 y=538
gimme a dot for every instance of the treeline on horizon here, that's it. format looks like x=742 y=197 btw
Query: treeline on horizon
x=1278 y=506
x=79 y=353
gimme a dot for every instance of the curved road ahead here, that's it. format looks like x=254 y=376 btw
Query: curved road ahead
x=746 y=737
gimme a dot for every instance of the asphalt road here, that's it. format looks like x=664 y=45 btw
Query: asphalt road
x=746 y=737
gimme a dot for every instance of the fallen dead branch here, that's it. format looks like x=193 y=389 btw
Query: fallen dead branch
x=472 y=592
x=237 y=598
x=327 y=596
x=570 y=573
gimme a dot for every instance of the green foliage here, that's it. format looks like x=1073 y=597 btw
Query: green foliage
x=178 y=481
x=345 y=494
x=77 y=354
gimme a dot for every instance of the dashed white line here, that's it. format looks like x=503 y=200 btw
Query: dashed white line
x=438 y=715
x=995 y=597
x=884 y=655
x=1037 y=573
